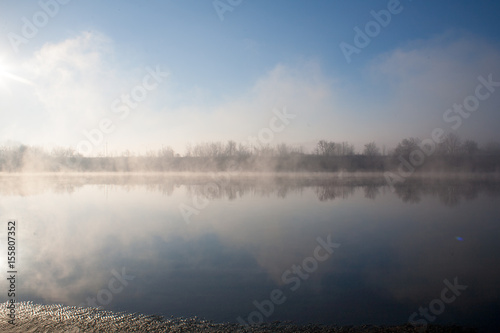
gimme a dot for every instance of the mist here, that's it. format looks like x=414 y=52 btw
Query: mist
x=451 y=154
x=233 y=165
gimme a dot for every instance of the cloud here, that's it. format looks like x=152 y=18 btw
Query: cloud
x=403 y=92
x=76 y=81
x=69 y=85
x=302 y=90
x=425 y=78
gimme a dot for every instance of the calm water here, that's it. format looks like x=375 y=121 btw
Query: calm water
x=244 y=248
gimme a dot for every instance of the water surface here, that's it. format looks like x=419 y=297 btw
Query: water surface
x=224 y=247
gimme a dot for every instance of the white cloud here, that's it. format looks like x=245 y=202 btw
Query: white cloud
x=425 y=78
x=75 y=83
x=303 y=91
x=69 y=89
x=404 y=93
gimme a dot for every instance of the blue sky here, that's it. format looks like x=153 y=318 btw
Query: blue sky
x=227 y=76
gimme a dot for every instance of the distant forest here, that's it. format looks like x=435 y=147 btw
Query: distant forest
x=452 y=154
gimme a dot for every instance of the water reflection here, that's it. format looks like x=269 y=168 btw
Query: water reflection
x=396 y=249
x=450 y=191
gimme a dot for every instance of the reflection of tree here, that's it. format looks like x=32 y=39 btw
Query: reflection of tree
x=408 y=193
x=371 y=191
x=450 y=192
x=449 y=195
x=330 y=192
x=469 y=191
x=236 y=188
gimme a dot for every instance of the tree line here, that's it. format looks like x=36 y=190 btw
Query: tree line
x=452 y=153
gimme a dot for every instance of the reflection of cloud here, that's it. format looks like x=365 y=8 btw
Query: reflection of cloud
x=77 y=235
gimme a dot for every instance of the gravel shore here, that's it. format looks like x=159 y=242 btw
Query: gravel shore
x=57 y=318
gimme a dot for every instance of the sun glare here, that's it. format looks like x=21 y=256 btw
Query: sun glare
x=6 y=75
x=2 y=67
x=3 y=72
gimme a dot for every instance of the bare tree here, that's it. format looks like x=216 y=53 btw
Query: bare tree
x=492 y=148
x=371 y=149
x=230 y=148
x=243 y=150
x=406 y=146
x=325 y=148
x=451 y=145
x=470 y=147
x=283 y=150
x=344 y=149
x=166 y=152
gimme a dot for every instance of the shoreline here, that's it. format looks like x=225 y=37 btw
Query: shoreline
x=32 y=317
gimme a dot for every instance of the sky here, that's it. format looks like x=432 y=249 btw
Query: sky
x=141 y=75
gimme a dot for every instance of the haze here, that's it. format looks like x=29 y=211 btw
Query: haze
x=202 y=73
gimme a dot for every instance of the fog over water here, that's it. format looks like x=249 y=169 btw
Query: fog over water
x=325 y=162
x=396 y=247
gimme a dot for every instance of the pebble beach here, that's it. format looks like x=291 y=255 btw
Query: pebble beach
x=58 y=318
